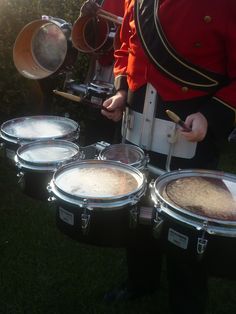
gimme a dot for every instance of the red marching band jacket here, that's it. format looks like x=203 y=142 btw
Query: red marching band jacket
x=114 y=6
x=202 y=33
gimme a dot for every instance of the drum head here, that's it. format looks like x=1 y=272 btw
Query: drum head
x=202 y=194
x=46 y=154
x=101 y=183
x=49 y=47
x=126 y=153
x=40 y=49
x=26 y=129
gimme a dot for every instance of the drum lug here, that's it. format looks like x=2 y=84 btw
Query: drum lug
x=19 y=141
x=201 y=245
x=82 y=156
x=158 y=224
x=51 y=199
x=202 y=241
x=21 y=180
x=20 y=175
x=85 y=218
x=18 y=165
x=147 y=160
x=133 y=217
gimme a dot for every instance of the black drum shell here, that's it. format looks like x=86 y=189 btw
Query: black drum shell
x=107 y=228
x=34 y=184
x=220 y=254
x=99 y=219
x=181 y=229
x=35 y=173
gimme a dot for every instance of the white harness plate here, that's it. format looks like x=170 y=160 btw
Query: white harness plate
x=154 y=134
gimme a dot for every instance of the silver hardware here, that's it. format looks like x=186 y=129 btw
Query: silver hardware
x=21 y=180
x=101 y=145
x=202 y=242
x=20 y=175
x=51 y=199
x=85 y=218
x=158 y=224
x=172 y=138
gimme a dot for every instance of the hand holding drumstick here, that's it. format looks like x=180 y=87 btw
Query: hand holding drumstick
x=194 y=128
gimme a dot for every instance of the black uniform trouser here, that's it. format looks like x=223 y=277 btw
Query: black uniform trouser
x=187 y=277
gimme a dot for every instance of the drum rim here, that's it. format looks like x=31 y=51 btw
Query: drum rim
x=45 y=165
x=140 y=164
x=104 y=88
x=18 y=139
x=48 y=22
x=101 y=203
x=190 y=216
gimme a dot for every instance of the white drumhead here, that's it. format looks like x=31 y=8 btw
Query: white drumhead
x=38 y=127
x=47 y=151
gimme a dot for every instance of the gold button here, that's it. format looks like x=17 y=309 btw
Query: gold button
x=184 y=89
x=197 y=45
x=207 y=19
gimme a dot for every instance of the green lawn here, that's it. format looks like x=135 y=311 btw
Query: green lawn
x=44 y=272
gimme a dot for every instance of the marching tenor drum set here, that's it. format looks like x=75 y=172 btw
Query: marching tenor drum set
x=97 y=189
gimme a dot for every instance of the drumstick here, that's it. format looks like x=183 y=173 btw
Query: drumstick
x=67 y=95
x=104 y=12
x=174 y=117
x=77 y=99
x=109 y=16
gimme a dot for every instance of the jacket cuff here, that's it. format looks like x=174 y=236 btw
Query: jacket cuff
x=120 y=82
x=220 y=117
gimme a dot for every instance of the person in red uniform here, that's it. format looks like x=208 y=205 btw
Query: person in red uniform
x=178 y=56
x=100 y=72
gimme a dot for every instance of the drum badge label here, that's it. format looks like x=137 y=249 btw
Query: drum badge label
x=66 y=216
x=178 y=239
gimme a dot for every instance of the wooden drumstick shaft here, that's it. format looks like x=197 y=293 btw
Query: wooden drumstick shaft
x=109 y=16
x=104 y=12
x=67 y=95
x=111 y=19
x=76 y=98
x=175 y=118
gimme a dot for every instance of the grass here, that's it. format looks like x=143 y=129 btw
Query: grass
x=44 y=272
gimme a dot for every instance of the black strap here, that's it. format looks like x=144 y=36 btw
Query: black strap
x=167 y=59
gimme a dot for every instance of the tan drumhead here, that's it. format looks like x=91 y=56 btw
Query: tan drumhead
x=211 y=197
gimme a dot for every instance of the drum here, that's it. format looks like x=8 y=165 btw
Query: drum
x=43 y=47
x=37 y=161
x=126 y=153
x=97 y=201
x=93 y=34
x=196 y=215
x=23 y=130
x=98 y=91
